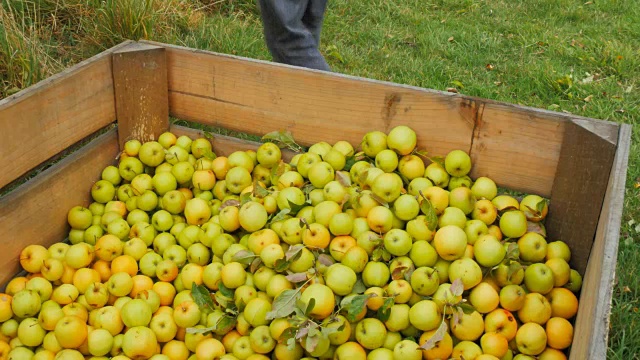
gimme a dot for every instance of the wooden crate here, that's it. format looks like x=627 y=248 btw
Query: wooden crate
x=579 y=163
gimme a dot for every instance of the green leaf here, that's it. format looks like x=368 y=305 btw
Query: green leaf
x=354 y=305
x=514 y=267
x=379 y=200
x=359 y=286
x=343 y=178
x=457 y=84
x=209 y=136
x=289 y=337
x=259 y=191
x=332 y=51
x=245 y=198
x=281 y=265
x=376 y=255
x=201 y=296
x=255 y=264
x=284 y=139
x=386 y=255
x=284 y=304
x=210 y=155
x=423 y=153
x=295 y=207
x=349 y=163
x=385 y=310
x=436 y=337
x=466 y=308
x=310 y=305
x=193 y=330
x=226 y=292
x=244 y=257
x=312 y=340
x=281 y=215
x=225 y=324
x=430 y=213
x=438 y=160
x=294 y=252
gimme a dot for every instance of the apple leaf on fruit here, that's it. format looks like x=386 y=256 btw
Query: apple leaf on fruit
x=359 y=287
x=284 y=139
x=436 y=337
x=385 y=310
x=225 y=291
x=343 y=179
x=350 y=160
x=398 y=272
x=457 y=315
x=536 y=227
x=295 y=207
x=281 y=215
x=376 y=255
x=201 y=296
x=354 y=305
x=466 y=308
x=325 y=260
x=289 y=337
x=513 y=251
x=326 y=331
x=284 y=304
x=259 y=191
x=457 y=288
x=423 y=153
x=255 y=264
x=438 y=160
x=230 y=202
x=281 y=265
x=310 y=305
x=514 y=267
x=209 y=154
x=379 y=200
x=294 y=252
x=311 y=341
x=429 y=212
x=244 y=257
x=297 y=277
x=225 y=324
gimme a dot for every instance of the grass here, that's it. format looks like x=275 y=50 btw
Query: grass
x=580 y=57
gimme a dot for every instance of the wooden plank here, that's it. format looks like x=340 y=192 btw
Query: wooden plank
x=36 y=212
x=44 y=119
x=579 y=188
x=592 y=322
x=225 y=145
x=140 y=82
x=259 y=97
x=516 y=147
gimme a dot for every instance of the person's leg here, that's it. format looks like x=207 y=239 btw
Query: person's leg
x=314 y=16
x=287 y=37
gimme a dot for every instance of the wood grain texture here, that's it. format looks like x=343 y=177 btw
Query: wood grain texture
x=44 y=119
x=517 y=148
x=36 y=212
x=579 y=188
x=225 y=145
x=140 y=83
x=592 y=322
x=259 y=97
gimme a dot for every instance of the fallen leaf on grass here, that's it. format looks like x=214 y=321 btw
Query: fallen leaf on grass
x=626 y=289
x=588 y=98
x=453 y=90
x=489 y=67
x=450 y=39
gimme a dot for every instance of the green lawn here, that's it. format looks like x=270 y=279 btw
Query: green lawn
x=581 y=57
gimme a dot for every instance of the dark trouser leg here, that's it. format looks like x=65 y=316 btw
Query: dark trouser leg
x=286 y=31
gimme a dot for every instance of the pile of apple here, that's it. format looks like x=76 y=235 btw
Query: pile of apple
x=333 y=254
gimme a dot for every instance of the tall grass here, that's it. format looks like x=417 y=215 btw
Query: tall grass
x=24 y=58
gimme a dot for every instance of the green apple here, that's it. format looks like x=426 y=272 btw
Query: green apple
x=130 y=167
x=398 y=242
x=373 y=142
x=387 y=186
x=402 y=139
x=406 y=207
x=79 y=217
x=340 y=224
x=558 y=249
x=375 y=274
x=463 y=199
x=30 y=332
x=450 y=242
x=151 y=153
x=438 y=197
x=340 y=279
x=457 y=163
x=474 y=230
x=253 y=216
x=111 y=174
x=398 y=318
x=200 y=147
x=335 y=158
x=456 y=182
x=418 y=228
x=488 y=251
x=539 y=278
x=370 y=333
x=575 y=281
x=174 y=201
x=437 y=174
x=425 y=281
x=466 y=270
x=452 y=216
x=418 y=184
x=513 y=223
x=469 y=327
x=423 y=254
x=484 y=188
x=387 y=160
x=103 y=191
x=136 y=313
x=533 y=247
x=512 y=297
x=485 y=211
x=320 y=174
x=412 y=167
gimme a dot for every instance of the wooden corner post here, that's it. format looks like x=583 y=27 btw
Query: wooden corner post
x=141 y=92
